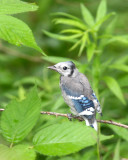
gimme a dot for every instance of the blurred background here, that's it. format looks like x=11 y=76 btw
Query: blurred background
x=22 y=67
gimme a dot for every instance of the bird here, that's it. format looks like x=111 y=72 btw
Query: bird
x=77 y=92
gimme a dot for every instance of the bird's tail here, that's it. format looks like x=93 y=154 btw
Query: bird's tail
x=91 y=122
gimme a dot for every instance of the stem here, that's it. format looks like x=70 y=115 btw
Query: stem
x=98 y=143
x=11 y=145
x=98 y=149
x=98 y=137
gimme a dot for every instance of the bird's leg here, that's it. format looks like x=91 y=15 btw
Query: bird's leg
x=70 y=116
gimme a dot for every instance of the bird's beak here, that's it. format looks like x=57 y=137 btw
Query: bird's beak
x=52 y=67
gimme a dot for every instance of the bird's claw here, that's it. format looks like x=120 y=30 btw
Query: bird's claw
x=101 y=114
x=69 y=115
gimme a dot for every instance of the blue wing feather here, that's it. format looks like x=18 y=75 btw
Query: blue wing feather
x=83 y=104
x=80 y=104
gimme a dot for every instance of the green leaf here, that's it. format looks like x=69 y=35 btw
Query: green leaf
x=17 y=32
x=61 y=37
x=111 y=26
x=19 y=118
x=71 y=31
x=75 y=45
x=121 y=67
x=19 y=152
x=54 y=59
x=102 y=9
x=102 y=20
x=83 y=44
x=66 y=15
x=87 y=16
x=70 y=22
x=122 y=39
x=65 y=138
x=114 y=87
x=120 y=131
x=90 y=51
x=16 y=6
x=117 y=151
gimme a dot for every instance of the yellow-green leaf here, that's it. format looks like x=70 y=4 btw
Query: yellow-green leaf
x=20 y=117
x=62 y=37
x=19 y=152
x=121 y=67
x=71 y=31
x=16 y=6
x=102 y=20
x=65 y=15
x=87 y=16
x=102 y=9
x=75 y=45
x=90 y=51
x=70 y=22
x=117 y=151
x=83 y=43
x=65 y=138
x=17 y=32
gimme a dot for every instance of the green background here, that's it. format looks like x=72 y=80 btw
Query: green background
x=22 y=67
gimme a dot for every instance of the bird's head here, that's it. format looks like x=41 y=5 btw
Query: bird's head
x=64 y=68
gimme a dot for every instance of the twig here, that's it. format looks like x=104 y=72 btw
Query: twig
x=81 y=119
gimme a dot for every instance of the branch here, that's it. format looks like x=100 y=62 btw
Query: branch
x=80 y=118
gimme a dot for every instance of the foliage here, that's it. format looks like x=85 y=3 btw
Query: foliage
x=117 y=151
x=22 y=120
x=17 y=152
x=85 y=33
x=73 y=138
x=13 y=30
x=101 y=43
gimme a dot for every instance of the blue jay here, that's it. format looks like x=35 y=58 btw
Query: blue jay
x=77 y=92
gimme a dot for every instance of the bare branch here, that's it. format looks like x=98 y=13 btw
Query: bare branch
x=81 y=119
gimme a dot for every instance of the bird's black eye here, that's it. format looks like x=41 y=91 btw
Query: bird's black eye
x=64 y=68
